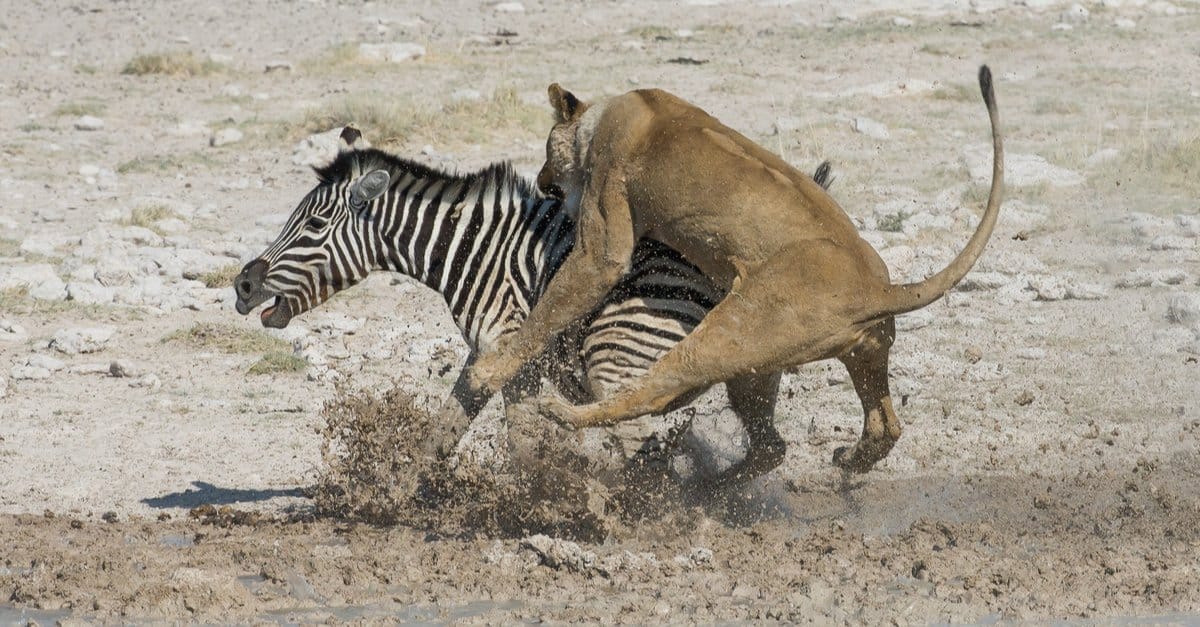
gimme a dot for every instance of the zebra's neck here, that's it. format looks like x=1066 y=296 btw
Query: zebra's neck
x=485 y=241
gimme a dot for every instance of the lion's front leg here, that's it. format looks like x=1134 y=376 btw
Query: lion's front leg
x=604 y=243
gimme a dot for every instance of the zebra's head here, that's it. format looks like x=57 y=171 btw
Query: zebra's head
x=319 y=252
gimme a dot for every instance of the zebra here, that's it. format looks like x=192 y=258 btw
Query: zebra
x=489 y=243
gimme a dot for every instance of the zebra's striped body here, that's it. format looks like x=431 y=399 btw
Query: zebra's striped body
x=489 y=244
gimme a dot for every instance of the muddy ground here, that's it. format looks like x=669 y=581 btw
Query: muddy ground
x=1051 y=455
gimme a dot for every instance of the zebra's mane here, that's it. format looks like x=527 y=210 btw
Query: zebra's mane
x=351 y=163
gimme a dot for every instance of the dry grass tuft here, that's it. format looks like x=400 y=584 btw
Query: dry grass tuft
x=388 y=120
x=221 y=277
x=84 y=107
x=277 y=362
x=147 y=216
x=179 y=64
x=227 y=338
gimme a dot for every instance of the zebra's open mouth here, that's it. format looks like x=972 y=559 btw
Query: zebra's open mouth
x=277 y=315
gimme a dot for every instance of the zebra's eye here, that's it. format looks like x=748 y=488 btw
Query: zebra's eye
x=316 y=223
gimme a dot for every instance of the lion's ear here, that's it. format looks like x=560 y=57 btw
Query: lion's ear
x=567 y=108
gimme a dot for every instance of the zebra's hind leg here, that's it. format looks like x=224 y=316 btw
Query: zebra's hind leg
x=753 y=398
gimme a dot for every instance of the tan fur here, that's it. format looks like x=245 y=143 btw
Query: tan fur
x=805 y=285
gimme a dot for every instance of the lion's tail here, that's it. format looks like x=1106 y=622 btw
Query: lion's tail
x=912 y=296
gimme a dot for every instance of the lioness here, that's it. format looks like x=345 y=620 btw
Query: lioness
x=804 y=285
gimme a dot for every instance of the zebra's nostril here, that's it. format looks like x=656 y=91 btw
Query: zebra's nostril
x=244 y=287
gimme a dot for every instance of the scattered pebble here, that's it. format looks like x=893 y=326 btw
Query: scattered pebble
x=1024 y=398
x=278 y=66
x=391 y=53
x=466 y=94
x=560 y=554
x=1052 y=288
x=3 y=387
x=902 y=22
x=1184 y=308
x=38 y=360
x=29 y=373
x=1172 y=242
x=225 y=137
x=121 y=369
x=509 y=7
x=870 y=128
x=81 y=340
x=1153 y=278
x=973 y=354
x=88 y=123
x=315 y=151
x=146 y=381
x=1033 y=354
x=12 y=332
x=1076 y=14
x=1124 y=23
x=1021 y=170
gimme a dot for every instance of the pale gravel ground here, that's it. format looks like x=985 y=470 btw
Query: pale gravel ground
x=1112 y=380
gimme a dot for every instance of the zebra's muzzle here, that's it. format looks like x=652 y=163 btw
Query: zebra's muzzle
x=251 y=293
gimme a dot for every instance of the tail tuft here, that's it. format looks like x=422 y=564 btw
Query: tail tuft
x=985 y=86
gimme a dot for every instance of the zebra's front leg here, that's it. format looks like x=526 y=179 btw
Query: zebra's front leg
x=456 y=415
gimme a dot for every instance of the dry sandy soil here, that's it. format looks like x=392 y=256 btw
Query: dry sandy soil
x=1050 y=464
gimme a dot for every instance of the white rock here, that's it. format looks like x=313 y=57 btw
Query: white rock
x=121 y=368
x=38 y=360
x=1184 y=308
x=1189 y=225
x=1153 y=278
x=1145 y=224
x=39 y=279
x=1124 y=23
x=78 y=340
x=3 y=387
x=391 y=53
x=89 y=170
x=190 y=128
x=172 y=226
x=870 y=128
x=29 y=373
x=225 y=137
x=1062 y=26
x=333 y=324
x=88 y=123
x=95 y=368
x=557 y=553
x=1076 y=14
x=1019 y=169
x=315 y=151
x=1051 y=288
x=90 y=293
x=12 y=332
x=1163 y=8
x=1104 y=155
x=466 y=94
x=1033 y=354
x=48 y=244
x=509 y=7
x=233 y=90
x=146 y=381
x=1172 y=242
x=902 y=22
x=983 y=281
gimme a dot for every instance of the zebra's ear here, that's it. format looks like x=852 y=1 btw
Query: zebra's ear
x=369 y=187
x=352 y=139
